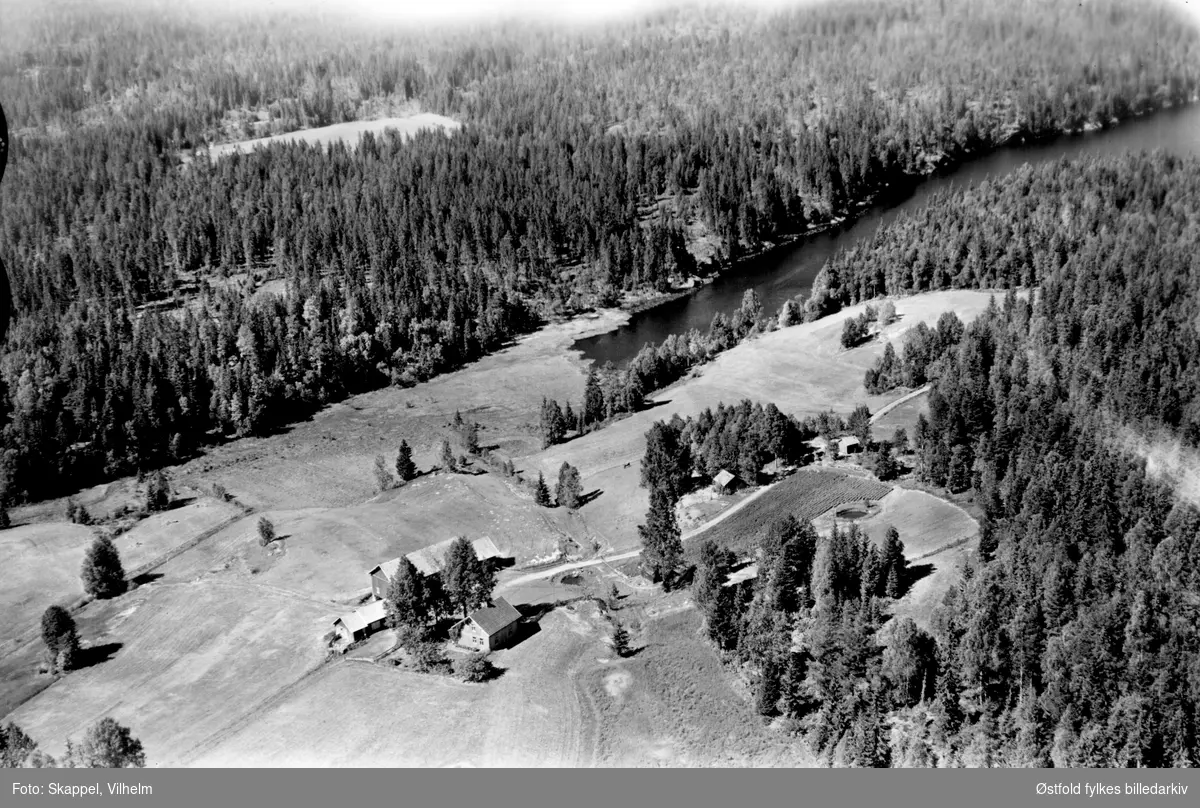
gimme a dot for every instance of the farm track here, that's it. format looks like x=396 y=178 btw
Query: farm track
x=575 y=565
x=891 y=405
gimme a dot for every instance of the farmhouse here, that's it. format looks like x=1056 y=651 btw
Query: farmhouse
x=428 y=561
x=362 y=622
x=488 y=628
x=726 y=482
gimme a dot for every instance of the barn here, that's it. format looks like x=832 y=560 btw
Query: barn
x=361 y=623
x=489 y=628
x=428 y=561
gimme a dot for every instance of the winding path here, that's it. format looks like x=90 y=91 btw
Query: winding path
x=592 y=562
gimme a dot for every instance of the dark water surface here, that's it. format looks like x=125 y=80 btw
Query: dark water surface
x=790 y=270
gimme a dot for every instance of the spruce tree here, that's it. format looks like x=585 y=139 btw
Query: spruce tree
x=59 y=635
x=711 y=571
x=407 y=601
x=468 y=582
x=406 y=469
x=620 y=641
x=266 y=531
x=770 y=688
x=158 y=492
x=661 y=545
x=895 y=563
x=541 y=493
x=447 y=455
x=593 y=399
x=102 y=573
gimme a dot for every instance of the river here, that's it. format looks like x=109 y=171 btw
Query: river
x=790 y=270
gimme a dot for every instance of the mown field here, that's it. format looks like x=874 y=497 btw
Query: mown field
x=185 y=661
x=806 y=495
x=802 y=369
x=938 y=537
x=562 y=700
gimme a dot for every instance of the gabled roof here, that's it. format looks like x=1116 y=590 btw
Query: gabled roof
x=499 y=615
x=362 y=617
x=846 y=442
x=431 y=559
x=724 y=478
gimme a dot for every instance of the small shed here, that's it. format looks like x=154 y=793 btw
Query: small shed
x=361 y=623
x=489 y=628
x=726 y=482
x=849 y=445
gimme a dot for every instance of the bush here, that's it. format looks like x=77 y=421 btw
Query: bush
x=854 y=330
x=476 y=668
x=428 y=657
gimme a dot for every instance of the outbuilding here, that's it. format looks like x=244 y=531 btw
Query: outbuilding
x=726 y=482
x=362 y=622
x=489 y=628
x=849 y=445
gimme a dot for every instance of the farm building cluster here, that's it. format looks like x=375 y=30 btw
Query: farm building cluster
x=486 y=629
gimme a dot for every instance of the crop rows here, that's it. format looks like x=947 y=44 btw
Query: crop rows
x=806 y=495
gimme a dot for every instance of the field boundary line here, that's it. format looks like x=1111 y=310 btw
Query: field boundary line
x=238 y=724
x=950 y=545
x=891 y=405
x=75 y=606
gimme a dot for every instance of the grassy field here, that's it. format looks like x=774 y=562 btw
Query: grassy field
x=926 y=523
x=802 y=369
x=211 y=660
x=806 y=494
x=938 y=536
x=348 y=133
x=42 y=560
x=562 y=700
x=328 y=461
x=186 y=660
x=674 y=704
x=904 y=416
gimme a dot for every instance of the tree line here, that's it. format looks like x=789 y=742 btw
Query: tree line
x=569 y=185
x=1071 y=639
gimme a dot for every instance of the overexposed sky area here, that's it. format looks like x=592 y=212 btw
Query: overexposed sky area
x=427 y=11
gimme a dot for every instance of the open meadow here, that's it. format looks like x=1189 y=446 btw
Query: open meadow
x=938 y=537
x=348 y=133
x=220 y=620
x=562 y=699
x=802 y=369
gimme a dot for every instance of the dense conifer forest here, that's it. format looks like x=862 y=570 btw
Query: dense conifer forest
x=592 y=162
x=1072 y=637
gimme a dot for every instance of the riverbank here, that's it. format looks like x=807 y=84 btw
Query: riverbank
x=788 y=267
